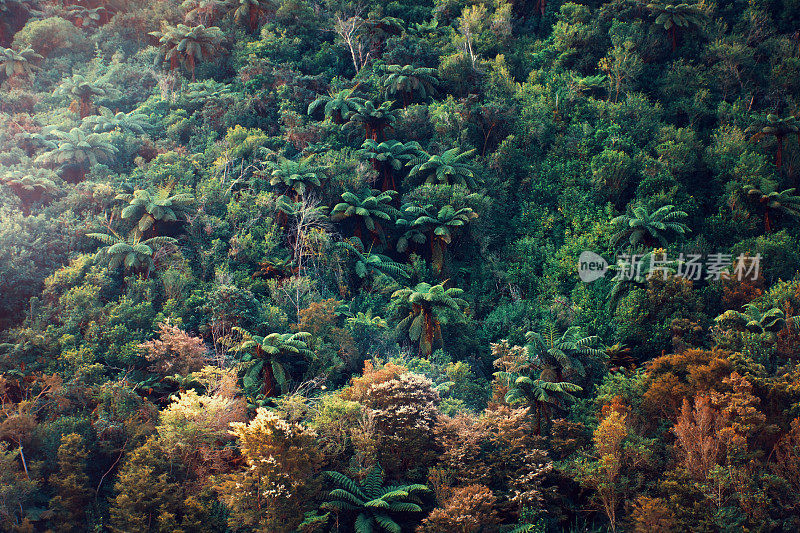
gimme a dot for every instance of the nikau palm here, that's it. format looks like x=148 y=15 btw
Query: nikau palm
x=373 y=503
x=649 y=229
x=276 y=356
x=427 y=307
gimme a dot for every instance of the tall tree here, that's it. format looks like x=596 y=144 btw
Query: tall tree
x=20 y=63
x=133 y=252
x=337 y=106
x=375 y=120
x=389 y=157
x=450 y=168
x=297 y=176
x=785 y=202
x=276 y=356
x=426 y=308
x=250 y=11
x=106 y=121
x=76 y=151
x=83 y=91
x=778 y=127
x=368 y=206
x=149 y=208
x=187 y=46
x=408 y=81
x=372 y=265
x=28 y=188
x=439 y=225
x=561 y=355
x=671 y=17
x=642 y=227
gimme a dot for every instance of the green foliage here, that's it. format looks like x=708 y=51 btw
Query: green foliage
x=427 y=308
x=643 y=227
x=372 y=502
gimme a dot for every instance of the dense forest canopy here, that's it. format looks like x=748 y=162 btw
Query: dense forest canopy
x=413 y=266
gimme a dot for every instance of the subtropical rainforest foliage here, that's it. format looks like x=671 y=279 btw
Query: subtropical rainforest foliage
x=312 y=266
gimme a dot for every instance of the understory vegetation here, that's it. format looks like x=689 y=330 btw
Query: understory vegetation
x=312 y=266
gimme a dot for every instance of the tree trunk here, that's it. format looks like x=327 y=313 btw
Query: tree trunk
x=86 y=106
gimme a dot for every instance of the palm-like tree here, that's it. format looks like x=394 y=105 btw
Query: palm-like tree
x=298 y=176
x=78 y=150
x=389 y=157
x=201 y=92
x=671 y=17
x=440 y=226
x=778 y=127
x=337 y=106
x=132 y=252
x=276 y=357
x=288 y=208
x=560 y=355
x=785 y=202
x=29 y=189
x=449 y=168
x=752 y=320
x=369 y=206
x=372 y=503
x=635 y=275
x=187 y=46
x=408 y=81
x=20 y=63
x=250 y=11
x=107 y=121
x=619 y=356
x=149 y=208
x=540 y=394
x=374 y=119
x=82 y=90
x=426 y=308
x=85 y=17
x=372 y=265
x=202 y=11
x=643 y=227
x=275 y=268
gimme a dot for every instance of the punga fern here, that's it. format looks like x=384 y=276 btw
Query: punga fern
x=374 y=503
